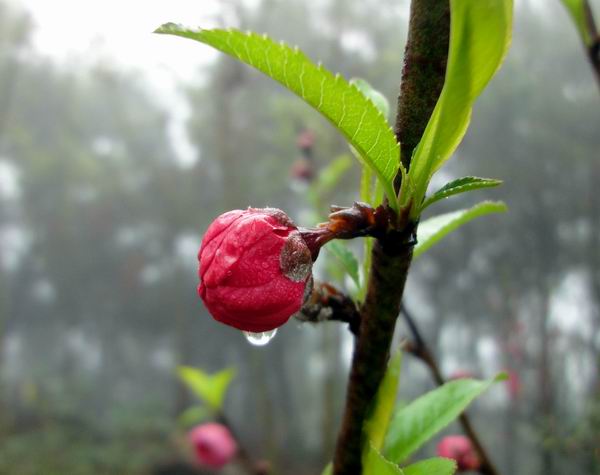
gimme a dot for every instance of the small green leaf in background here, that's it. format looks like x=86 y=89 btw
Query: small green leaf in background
x=328 y=470
x=375 y=464
x=414 y=424
x=377 y=423
x=376 y=97
x=434 y=229
x=366 y=186
x=577 y=11
x=346 y=258
x=480 y=33
x=434 y=466
x=342 y=103
x=460 y=185
x=193 y=415
x=367 y=195
x=210 y=388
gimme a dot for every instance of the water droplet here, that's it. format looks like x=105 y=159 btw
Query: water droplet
x=260 y=339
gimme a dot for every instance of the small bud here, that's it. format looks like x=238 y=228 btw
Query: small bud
x=302 y=171
x=213 y=444
x=459 y=449
x=255 y=269
x=305 y=139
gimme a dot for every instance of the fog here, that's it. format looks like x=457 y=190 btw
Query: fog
x=118 y=148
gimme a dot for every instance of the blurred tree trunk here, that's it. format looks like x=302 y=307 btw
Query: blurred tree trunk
x=545 y=384
x=509 y=310
x=331 y=343
x=229 y=78
x=260 y=365
x=183 y=352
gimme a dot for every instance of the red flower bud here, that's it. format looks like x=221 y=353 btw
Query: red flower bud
x=460 y=449
x=254 y=269
x=213 y=444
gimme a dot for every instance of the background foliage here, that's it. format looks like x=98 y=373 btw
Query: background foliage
x=100 y=223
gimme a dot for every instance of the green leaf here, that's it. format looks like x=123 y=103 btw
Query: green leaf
x=461 y=185
x=576 y=9
x=419 y=421
x=208 y=388
x=480 y=33
x=377 y=423
x=373 y=94
x=328 y=470
x=432 y=230
x=357 y=118
x=346 y=258
x=193 y=415
x=434 y=466
x=375 y=464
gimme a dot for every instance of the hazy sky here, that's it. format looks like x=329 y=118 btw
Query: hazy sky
x=119 y=32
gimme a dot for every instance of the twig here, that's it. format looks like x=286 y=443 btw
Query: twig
x=422 y=81
x=420 y=350
x=253 y=467
x=359 y=220
x=593 y=50
x=326 y=303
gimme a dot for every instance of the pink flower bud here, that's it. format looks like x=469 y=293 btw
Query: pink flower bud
x=213 y=444
x=306 y=139
x=460 y=449
x=254 y=269
x=302 y=170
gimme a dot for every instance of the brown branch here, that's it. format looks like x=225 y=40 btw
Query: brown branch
x=390 y=262
x=593 y=50
x=422 y=81
x=594 y=57
x=251 y=466
x=359 y=220
x=424 y=71
x=420 y=350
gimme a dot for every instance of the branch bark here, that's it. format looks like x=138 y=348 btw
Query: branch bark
x=250 y=466
x=593 y=50
x=420 y=350
x=422 y=81
x=326 y=303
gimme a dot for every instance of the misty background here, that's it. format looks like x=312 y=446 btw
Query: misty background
x=118 y=148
